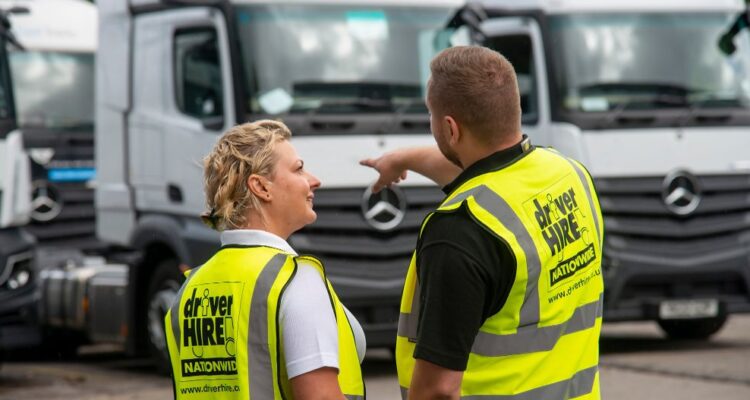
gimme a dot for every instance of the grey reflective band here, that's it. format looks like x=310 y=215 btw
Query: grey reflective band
x=354 y=397
x=408 y=322
x=259 y=370
x=531 y=339
x=500 y=209
x=580 y=384
x=585 y=183
x=462 y=196
x=175 y=316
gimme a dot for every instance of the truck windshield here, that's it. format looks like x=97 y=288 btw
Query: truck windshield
x=53 y=90
x=623 y=62
x=337 y=59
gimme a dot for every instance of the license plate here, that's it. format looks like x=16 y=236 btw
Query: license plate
x=687 y=309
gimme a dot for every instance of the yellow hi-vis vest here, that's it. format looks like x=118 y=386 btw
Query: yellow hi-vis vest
x=544 y=341
x=224 y=335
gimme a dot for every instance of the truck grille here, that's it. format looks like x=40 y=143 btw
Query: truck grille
x=636 y=216
x=651 y=252
x=367 y=267
x=351 y=248
x=73 y=224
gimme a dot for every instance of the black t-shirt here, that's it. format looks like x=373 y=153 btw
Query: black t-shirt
x=465 y=273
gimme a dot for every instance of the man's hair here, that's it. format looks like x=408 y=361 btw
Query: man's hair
x=478 y=88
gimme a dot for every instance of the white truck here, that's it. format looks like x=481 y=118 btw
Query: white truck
x=18 y=274
x=636 y=90
x=642 y=93
x=53 y=81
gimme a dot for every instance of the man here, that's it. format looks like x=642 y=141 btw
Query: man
x=503 y=295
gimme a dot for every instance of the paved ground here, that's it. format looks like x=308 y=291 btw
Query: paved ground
x=637 y=363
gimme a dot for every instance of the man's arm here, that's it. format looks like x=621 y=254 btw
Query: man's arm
x=427 y=161
x=431 y=381
x=465 y=275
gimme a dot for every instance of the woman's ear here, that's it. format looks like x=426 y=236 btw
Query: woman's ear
x=259 y=186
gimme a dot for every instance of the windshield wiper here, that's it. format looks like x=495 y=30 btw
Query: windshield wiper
x=363 y=104
x=711 y=108
x=634 y=88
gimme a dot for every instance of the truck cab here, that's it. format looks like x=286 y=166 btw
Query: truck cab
x=347 y=77
x=53 y=82
x=644 y=94
x=18 y=275
x=662 y=132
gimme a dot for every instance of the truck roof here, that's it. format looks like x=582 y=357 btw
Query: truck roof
x=595 y=6
x=55 y=25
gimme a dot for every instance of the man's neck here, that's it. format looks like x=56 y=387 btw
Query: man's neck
x=478 y=151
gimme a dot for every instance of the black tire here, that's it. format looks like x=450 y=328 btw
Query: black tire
x=693 y=329
x=162 y=291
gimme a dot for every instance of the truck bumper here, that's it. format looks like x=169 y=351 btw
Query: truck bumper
x=636 y=285
x=19 y=319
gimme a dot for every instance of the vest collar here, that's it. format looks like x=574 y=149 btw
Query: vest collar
x=494 y=162
x=254 y=237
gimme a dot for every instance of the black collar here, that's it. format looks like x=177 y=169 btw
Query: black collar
x=494 y=162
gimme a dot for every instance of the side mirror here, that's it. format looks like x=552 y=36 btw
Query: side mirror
x=471 y=16
x=213 y=123
x=726 y=41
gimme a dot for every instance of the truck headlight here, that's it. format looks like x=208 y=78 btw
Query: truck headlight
x=19 y=273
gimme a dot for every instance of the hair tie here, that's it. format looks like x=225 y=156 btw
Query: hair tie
x=210 y=219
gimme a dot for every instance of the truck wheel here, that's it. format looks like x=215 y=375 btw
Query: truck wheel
x=697 y=329
x=162 y=292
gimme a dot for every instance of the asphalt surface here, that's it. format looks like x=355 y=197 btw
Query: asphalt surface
x=637 y=363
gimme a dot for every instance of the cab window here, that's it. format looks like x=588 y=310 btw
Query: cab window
x=518 y=50
x=198 y=85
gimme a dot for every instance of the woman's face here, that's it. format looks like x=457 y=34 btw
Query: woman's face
x=292 y=189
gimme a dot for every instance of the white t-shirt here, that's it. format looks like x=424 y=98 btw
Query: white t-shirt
x=306 y=317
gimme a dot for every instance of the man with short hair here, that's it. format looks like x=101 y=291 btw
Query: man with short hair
x=503 y=295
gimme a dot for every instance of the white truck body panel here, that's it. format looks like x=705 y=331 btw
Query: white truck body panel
x=656 y=152
x=15 y=189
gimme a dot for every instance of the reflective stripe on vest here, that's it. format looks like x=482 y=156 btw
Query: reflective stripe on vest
x=525 y=333
x=500 y=209
x=242 y=334
x=579 y=385
x=261 y=375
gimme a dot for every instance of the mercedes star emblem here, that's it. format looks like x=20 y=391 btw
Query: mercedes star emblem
x=42 y=155
x=45 y=203
x=681 y=192
x=384 y=210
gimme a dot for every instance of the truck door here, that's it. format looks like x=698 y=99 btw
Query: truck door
x=182 y=102
x=519 y=39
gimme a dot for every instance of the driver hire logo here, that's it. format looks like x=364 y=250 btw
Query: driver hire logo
x=564 y=228
x=208 y=330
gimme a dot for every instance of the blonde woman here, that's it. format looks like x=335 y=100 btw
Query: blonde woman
x=257 y=320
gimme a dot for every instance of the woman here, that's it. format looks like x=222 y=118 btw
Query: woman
x=256 y=320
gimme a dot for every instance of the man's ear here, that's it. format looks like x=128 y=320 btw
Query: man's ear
x=259 y=186
x=454 y=131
